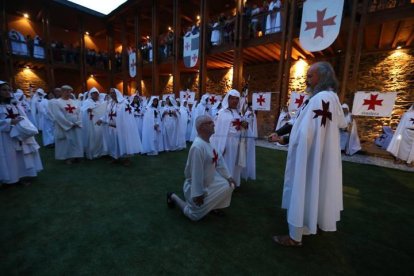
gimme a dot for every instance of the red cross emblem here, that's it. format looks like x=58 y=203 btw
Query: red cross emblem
x=90 y=114
x=372 y=102
x=237 y=124
x=112 y=115
x=324 y=112
x=215 y=157
x=187 y=46
x=128 y=108
x=133 y=64
x=299 y=100
x=261 y=100
x=194 y=58
x=213 y=100
x=186 y=96
x=320 y=22
x=10 y=114
x=70 y=108
x=412 y=120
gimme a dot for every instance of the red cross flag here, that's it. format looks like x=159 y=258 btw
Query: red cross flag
x=321 y=21
x=132 y=65
x=215 y=98
x=261 y=101
x=296 y=100
x=375 y=104
x=188 y=96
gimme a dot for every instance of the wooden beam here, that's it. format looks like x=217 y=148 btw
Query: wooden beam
x=154 y=39
x=176 y=47
x=238 y=50
x=381 y=35
x=397 y=34
x=284 y=14
x=410 y=39
x=400 y=13
x=124 y=56
x=203 y=43
x=138 y=53
x=111 y=52
x=82 y=55
x=348 y=53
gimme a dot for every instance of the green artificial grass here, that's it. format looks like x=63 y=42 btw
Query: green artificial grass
x=97 y=218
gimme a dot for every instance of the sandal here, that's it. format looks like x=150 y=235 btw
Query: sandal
x=170 y=201
x=286 y=241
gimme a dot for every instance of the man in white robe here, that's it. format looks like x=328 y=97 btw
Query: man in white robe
x=19 y=155
x=208 y=185
x=151 y=128
x=312 y=192
x=249 y=172
x=92 y=109
x=183 y=122
x=48 y=125
x=229 y=128
x=34 y=104
x=138 y=108
x=170 y=124
x=121 y=136
x=350 y=143
x=68 y=127
x=203 y=108
x=402 y=143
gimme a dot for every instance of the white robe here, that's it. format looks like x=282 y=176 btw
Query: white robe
x=139 y=117
x=68 y=139
x=226 y=139
x=17 y=158
x=402 y=143
x=205 y=174
x=250 y=170
x=48 y=131
x=202 y=109
x=151 y=131
x=170 y=125
x=216 y=34
x=93 y=139
x=273 y=19
x=349 y=137
x=312 y=192
x=183 y=126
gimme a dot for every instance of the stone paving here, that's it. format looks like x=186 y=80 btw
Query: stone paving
x=356 y=158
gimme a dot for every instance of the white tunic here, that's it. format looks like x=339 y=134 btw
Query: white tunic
x=402 y=143
x=48 y=132
x=250 y=170
x=205 y=174
x=312 y=192
x=170 y=125
x=151 y=131
x=17 y=158
x=68 y=137
x=273 y=19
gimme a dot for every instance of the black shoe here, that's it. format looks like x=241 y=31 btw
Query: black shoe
x=217 y=212
x=170 y=201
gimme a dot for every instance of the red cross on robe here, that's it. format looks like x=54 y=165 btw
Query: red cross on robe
x=320 y=23
x=261 y=100
x=372 y=102
x=213 y=100
x=412 y=120
x=128 y=108
x=90 y=114
x=299 y=101
x=10 y=114
x=324 y=112
x=112 y=115
x=237 y=124
x=70 y=108
x=215 y=158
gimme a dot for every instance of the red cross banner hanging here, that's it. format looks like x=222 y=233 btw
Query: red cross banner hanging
x=375 y=104
x=132 y=64
x=261 y=101
x=188 y=96
x=296 y=100
x=190 y=52
x=321 y=21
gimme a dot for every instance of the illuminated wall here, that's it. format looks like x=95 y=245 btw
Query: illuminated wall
x=26 y=77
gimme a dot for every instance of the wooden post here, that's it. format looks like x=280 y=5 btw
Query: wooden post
x=286 y=75
x=111 y=51
x=82 y=63
x=348 y=53
x=284 y=14
x=138 y=60
x=176 y=47
x=125 y=58
x=202 y=50
x=358 y=47
x=154 y=39
x=50 y=72
x=238 y=48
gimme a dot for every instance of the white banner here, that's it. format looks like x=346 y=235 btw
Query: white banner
x=321 y=21
x=190 y=51
x=296 y=100
x=261 y=101
x=164 y=96
x=373 y=103
x=187 y=95
x=132 y=65
x=215 y=98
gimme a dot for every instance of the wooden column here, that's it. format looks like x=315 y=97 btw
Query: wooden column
x=111 y=53
x=358 y=47
x=284 y=14
x=138 y=60
x=82 y=62
x=154 y=40
x=238 y=48
x=286 y=74
x=348 y=53
x=4 y=39
x=48 y=55
x=125 y=59
x=176 y=47
x=202 y=50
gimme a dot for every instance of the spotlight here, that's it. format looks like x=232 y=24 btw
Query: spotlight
x=399 y=47
x=87 y=33
x=91 y=76
x=26 y=15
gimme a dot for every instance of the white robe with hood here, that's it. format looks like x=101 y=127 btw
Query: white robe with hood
x=312 y=192
x=249 y=172
x=202 y=108
x=151 y=129
x=402 y=143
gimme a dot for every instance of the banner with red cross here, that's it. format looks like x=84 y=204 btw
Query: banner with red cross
x=296 y=100
x=132 y=64
x=188 y=96
x=261 y=101
x=214 y=99
x=375 y=104
x=190 y=51
x=321 y=21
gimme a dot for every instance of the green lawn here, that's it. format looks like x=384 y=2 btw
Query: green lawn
x=97 y=218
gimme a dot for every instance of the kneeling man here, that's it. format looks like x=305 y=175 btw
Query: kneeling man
x=208 y=184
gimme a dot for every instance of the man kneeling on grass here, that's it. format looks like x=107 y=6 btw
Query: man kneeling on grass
x=208 y=184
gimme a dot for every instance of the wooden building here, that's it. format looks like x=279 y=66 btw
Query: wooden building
x=83 y=48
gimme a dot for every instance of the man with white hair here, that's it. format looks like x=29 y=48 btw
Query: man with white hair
x=92 y=109
x=203 y=108
x=228 y=133
x=208 y=185
x=68 y=124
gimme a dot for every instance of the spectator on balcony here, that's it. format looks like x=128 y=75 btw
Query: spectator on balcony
x=38 y=49
x=216 y=33
x=273 y=18
x=170 y=42
x=254 y=22
x=263 y=10
x=228 y=32
x=30 y=44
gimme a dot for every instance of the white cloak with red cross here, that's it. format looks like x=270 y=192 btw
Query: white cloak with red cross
x=312 y=192
x=402 y=143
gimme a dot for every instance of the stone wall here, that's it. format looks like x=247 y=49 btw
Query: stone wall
x=25 y=78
